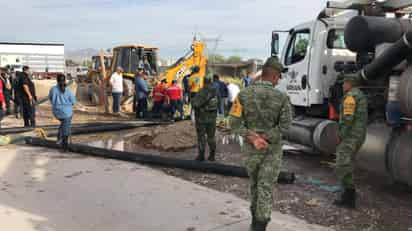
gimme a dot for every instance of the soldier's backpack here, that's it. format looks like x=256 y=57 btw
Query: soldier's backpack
x=212 y=103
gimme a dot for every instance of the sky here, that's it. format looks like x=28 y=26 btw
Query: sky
x=243 y=26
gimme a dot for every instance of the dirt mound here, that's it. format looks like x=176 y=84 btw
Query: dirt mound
x=175 y=137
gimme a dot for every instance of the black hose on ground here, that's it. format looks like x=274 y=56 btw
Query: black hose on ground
x=13 y=130
x=103 y=128
x=18 y=138
x=84 y=127
x=208 y=167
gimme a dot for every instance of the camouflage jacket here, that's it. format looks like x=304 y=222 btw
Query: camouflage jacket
x=353 y=116
x=262 y=109
x=205 y=104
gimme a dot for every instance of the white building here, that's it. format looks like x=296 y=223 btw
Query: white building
x=40 y=57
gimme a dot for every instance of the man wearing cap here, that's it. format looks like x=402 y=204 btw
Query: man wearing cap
x=205 y=105
x=259 y=114
x=353 y=118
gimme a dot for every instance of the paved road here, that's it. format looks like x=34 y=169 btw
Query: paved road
x=44 y=190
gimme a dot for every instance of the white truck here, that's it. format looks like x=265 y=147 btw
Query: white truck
x=44 y=59
x=373 y=39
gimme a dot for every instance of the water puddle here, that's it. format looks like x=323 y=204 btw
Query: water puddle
x=145 y=141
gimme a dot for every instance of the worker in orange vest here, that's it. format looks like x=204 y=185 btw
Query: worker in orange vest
x=175 y=96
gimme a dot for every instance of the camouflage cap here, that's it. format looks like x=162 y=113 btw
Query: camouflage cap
x=274 y=63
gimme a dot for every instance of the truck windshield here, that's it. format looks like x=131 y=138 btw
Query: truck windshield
x=297 y=47
x=336 y=39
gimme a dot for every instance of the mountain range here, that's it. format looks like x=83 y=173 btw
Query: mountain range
x=79 y=55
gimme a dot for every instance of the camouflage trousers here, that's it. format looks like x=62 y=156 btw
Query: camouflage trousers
x=345 y=157
x=263 y=168
x=206 y=132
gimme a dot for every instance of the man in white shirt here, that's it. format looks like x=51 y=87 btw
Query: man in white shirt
x=233 y=91
x=116 y=81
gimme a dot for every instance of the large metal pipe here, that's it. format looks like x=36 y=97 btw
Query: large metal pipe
x=318 y=134
x=228 y=170
x=364 y=33
x=390 y=58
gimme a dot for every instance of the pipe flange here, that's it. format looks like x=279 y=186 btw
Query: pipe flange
x=363 y=75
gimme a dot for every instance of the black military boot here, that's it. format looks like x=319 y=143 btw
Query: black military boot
x=212 y=156
x=260 y=226
x=347 y=199
x=200 y=157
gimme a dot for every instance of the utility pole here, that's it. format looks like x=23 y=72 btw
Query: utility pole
x=215 y=41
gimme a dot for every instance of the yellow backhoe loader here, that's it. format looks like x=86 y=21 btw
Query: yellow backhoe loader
x=183 y=66
x=129 y=57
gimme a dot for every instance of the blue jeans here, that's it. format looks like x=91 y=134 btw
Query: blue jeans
x=141 y=111
x=65 y=126
x=157 y=107
x=116 y=101
x=176 y=105
x=221 y=108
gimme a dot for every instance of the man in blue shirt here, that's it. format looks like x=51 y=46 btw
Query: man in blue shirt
x=246 y=79
x=62 y=101
x=142 y=92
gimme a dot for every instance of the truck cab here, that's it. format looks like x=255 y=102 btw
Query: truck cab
x=309 y=56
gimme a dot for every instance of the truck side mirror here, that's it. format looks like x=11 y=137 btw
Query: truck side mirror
x=275 y=44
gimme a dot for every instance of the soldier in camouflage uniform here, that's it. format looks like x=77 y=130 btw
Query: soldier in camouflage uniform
x=205 y=105
x=260 y=114
x=353 y=119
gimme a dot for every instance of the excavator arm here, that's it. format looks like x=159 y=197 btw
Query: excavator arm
x=195 y=57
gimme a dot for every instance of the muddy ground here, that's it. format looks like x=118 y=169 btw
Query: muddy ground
x=382 y=206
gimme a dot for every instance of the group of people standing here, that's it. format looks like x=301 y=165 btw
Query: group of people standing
x=167 y=97
x=18 y=87
x=167 y=100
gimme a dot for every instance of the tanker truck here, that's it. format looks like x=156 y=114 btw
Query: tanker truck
x=374 y=40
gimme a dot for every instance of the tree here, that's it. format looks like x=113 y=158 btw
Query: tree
x=216 y=58
x=234 y=59
x=87 y=63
